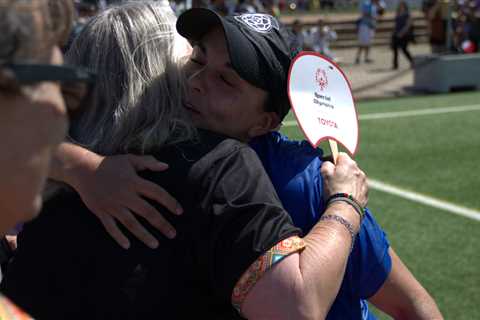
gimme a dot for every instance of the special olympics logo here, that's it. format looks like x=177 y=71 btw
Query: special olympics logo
x=258 y=22
x=321 y=78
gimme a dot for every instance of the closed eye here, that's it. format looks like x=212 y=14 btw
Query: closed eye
x=196 y=61
x=228 y=83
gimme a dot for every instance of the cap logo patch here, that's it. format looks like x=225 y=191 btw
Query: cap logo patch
x=258 y=22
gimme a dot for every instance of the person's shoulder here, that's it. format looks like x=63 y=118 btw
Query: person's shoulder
x=192 y=150
x=281 y=146
x=224 y=152
x=224 y=147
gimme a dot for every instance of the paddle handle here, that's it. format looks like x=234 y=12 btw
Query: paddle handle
x=334 y=149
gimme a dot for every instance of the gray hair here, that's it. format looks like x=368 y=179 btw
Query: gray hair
x=137 y=100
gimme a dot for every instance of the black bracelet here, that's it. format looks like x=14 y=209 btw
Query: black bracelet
x=347 y=198
x=343 y=222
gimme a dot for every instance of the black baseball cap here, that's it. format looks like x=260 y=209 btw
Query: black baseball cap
x=260 y=49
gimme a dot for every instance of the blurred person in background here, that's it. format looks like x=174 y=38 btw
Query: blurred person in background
x=178 y=6
x=220 y=6
x=475 y=31
x=300 y=36
x=324 y=4
x=437 y=31
x=461 y=34
x=466 y=33
x=271 y=7
x=249 y=6
x=321 y=39
x=370 y=10
x=85 y=11
x=402 y=34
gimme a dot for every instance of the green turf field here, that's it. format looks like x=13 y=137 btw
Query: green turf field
x=435 y=155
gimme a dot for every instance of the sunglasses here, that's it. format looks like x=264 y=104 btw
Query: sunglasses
x=76 y=83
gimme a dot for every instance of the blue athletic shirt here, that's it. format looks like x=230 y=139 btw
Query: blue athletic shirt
x=294 y=168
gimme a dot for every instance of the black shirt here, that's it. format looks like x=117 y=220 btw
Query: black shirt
x=232 y=216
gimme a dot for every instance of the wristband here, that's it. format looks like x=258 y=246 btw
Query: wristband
x=347 y=198
x=344 y=223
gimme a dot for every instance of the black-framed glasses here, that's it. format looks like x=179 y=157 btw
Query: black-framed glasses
x=76 y=82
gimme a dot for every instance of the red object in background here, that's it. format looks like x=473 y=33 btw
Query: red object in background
x=469 y=46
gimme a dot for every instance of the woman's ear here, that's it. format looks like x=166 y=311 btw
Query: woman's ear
x=267 y=122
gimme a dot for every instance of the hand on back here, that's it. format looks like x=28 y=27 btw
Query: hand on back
x=112 y=190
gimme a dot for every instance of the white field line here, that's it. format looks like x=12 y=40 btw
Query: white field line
x=409 y=113
x=426 y=200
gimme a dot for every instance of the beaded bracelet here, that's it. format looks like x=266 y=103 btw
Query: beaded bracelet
x=343 y=222
x=348 y=198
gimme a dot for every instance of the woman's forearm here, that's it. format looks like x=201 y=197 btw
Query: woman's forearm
x=322 y=263
x=306 y=283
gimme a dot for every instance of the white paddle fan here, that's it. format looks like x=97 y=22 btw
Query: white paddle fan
x=322 y=102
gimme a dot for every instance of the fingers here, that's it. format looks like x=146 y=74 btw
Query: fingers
x=125 y=217
x=327 y=169
x=144 y=209
x=345 y=177
x=110 y=225
x=146 y=163
x=362 y=196
x=344 y=161
x=160 y=195
x=344 y=167
x=152 y=190
x=115 y=205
